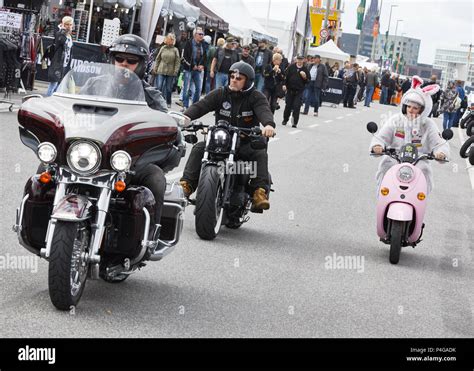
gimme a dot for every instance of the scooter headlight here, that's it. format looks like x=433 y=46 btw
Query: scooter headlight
x=84 y=157
x=405 y=174
x=47 y=152
x=120 y=161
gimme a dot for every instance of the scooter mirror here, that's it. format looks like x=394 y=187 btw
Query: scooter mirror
x=191 y=138
x=471 y=158
x=447 y=134
x=372 y=127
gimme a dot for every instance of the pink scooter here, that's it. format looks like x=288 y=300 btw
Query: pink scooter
x=403 y=197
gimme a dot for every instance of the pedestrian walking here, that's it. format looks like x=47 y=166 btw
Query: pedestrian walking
x=372 y=83
x=351 y=81
x=448 y=105
x=61 y=59
x=194 y=60
x=263 y=57
x=167 y=67
x=224 y=58
x=318 y=81
x=274 y=80
x=296 y=78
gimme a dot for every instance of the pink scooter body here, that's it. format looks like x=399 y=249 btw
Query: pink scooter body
x=402 y=205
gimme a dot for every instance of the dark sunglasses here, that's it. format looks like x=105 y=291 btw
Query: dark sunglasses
x=234 y=77
x=129 y=60
x=200 y=34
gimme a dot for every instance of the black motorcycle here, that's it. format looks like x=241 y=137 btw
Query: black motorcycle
x=223 y=195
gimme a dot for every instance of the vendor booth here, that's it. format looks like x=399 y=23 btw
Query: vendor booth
x=241 y=22
x=329 y=52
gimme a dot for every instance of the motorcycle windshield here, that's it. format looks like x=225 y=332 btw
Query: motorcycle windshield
x=104 y=82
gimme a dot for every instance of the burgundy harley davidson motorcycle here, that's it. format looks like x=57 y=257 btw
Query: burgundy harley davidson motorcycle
x=79 y=213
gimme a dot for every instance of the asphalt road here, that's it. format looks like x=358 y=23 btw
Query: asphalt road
x=270 y=278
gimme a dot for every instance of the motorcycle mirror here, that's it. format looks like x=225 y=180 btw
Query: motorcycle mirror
x=191 y=138
x=447 y=134
x=372 y=127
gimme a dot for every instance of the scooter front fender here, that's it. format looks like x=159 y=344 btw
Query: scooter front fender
x=400 y=211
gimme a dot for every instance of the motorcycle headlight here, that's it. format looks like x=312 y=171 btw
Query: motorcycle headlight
x=405 y=174
x=120 y=161
x=47 y=152
x=220 y=137
x=84 y=157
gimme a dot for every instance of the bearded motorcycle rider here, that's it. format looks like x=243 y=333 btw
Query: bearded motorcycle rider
x=243 y=106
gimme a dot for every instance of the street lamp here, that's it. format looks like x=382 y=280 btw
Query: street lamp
x=389 y=21
x=396 y=39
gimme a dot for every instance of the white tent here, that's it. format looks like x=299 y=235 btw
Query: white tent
x=329 y=50
x=241 y=22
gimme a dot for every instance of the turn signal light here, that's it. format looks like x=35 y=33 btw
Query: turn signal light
x=120 y=186
x=45 y=177
x=384 y=191
x=421 y=196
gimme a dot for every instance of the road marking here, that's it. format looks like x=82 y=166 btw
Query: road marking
x=273 y=140
x=340 y=117
x=349 y=114
x=294 y=132
x=313 y=126
x=174 y=176
x=327 y=121
x=470 y=168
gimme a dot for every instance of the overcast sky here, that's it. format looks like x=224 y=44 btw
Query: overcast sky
x=437 y=23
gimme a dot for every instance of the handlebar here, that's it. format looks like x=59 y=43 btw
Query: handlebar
x=253 y=132
x=395 y=154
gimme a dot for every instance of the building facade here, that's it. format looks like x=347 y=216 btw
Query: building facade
x=453 y=62
x=407 y=48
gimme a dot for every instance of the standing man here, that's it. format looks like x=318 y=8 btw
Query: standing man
x=342 y=71
x=263 y=57
x=319 y=81
x=351 y=80
x=295 y=82
x=210 y=54
x=246 y=57
x=194 y=59
x=385 y=83
x=61 y=60
x=372 y=83
x=224 y=58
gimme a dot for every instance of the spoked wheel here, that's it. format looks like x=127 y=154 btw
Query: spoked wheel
x=396 y=241
x=68 y=263
x=209 y=210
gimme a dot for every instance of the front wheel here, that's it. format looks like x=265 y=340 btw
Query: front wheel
x=396 y=241
x=209 y=210
x=67 y=263
x=470 y=129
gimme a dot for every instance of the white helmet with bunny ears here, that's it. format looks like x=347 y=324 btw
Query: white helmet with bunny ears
x=420 y=96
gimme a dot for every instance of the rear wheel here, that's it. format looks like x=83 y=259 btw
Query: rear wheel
x=68 y=268
x=465 y=121
x=470 y=128
x=209 y=210
x=396 y=241
x=465 y=151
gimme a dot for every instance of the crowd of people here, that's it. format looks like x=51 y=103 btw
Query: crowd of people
x=194 y=66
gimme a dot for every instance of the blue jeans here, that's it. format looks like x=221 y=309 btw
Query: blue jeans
x=259 y=80
x=314 y=97
x=448 y=118
x=52 y=88
x=195 y=78
x=164 y=84
x=369 y=91
x=209 y=83
x=222 y=79
x=384 y=95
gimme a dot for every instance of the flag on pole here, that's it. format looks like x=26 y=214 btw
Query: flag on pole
x=375 y=30
x=360 y=14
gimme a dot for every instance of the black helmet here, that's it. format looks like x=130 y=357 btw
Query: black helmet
x=244 y=69
x=131 y=44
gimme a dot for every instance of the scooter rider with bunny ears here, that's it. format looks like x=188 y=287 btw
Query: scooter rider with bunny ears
x=412 y=125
